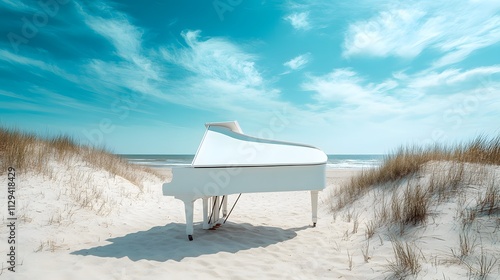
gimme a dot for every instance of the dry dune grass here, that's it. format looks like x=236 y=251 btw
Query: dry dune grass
x=15 y=147
x=49 y=157
x=407 y=259
x=412 y=182
x=26 y=152
x=408 y=161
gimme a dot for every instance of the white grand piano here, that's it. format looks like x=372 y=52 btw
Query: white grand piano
x=230 y=162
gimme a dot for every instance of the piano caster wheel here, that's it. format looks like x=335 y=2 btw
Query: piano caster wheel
x=314 y=224
x=190 y=237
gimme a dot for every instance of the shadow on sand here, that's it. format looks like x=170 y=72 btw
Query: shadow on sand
x=170 y=242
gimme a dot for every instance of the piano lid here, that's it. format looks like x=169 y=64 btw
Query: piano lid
x=224 y=144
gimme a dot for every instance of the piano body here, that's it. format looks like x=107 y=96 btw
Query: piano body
x=230 y=162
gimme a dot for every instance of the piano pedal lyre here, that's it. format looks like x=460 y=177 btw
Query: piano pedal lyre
x=212 y=207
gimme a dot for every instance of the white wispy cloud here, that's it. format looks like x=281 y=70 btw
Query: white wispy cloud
x=123 y=35
x=298 y=62
x=52 y=97
x=18 y=59
x=450 y=77
x=476 y=36
x=34 y=64
x=17 y=6
x=445 y=84
x=131 y=78
x=215 y=58
x=406 y=30
x=424 y=96
x=12 y=95
x=346 y=90
x=387 y=34
x=29 y=107
x=299 y=21
x=487 y=71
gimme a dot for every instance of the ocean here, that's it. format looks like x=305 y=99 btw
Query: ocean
x=334 y=161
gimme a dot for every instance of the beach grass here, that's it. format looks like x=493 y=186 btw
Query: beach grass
x=412 y=183
x=28 y=153
x=407 y=259
x=409 y=160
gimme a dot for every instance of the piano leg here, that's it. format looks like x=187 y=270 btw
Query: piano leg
x=188 y=207
x=205 y=213
x=224 y=206
x=314 y=205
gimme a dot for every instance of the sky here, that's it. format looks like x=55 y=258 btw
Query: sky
x=349 y=77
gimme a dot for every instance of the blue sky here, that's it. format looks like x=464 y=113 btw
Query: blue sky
x=346 y=76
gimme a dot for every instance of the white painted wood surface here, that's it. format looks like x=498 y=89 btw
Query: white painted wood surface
x=229 y=162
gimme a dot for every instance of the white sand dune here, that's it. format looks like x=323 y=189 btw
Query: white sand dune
x=131 y=234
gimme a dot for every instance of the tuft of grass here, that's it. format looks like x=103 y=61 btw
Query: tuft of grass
x=445 y=182
x=15 y=147
x=63 y=145
x=407 y=207
x=490 y=203
x=382 y=213
x=364 y=251
x=484 y=265
x=480 y=150
x=349 y=260
x=466 y=244
x=407 y=259
x=49 y=245
x=468 y=216
x=415 y=206
x=55 y=219
x=370 y=229
x=355 y=225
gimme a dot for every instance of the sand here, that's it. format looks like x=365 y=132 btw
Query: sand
x=134 y=234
